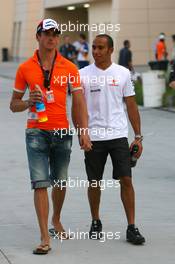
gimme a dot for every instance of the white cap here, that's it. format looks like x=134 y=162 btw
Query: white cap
x=161 y=36
x=47 y=24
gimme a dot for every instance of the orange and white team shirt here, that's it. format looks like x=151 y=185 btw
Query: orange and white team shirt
x=161 y=50
x=29 y=74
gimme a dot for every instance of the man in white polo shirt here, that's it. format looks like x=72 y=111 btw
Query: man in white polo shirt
x=107 y=86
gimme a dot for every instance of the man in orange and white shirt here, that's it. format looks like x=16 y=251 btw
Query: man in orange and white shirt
x=46 y=75
x=161 y=51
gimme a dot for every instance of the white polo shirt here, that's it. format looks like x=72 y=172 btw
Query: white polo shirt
x=104 y=92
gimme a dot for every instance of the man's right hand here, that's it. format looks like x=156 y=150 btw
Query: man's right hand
x=35 y=96
x=85 y=142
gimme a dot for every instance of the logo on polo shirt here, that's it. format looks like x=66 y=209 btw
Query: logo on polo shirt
x=114 y=83
x=95 y=90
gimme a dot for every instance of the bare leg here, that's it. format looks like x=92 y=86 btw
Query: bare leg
x=128 y=198
x=58 y=196
x=94 y=195
x=42 y=210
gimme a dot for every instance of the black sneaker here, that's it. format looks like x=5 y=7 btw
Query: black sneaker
x=133 y=235
x=96 y=230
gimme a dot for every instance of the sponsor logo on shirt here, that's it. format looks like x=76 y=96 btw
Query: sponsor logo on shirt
x=95 y=90
x=114 y=83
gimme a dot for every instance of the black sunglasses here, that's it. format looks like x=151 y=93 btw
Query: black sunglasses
x=46 y=79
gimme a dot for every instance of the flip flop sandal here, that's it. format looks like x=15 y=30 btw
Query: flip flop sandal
x=60 y=235
x=42 y=250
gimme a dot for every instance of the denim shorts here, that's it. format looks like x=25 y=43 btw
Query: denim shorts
x=48 y=157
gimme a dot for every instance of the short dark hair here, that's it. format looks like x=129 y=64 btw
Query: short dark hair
x=173 y=37
x=38 y=33
x=83 y=36
x=109 y=39
x=126 y=42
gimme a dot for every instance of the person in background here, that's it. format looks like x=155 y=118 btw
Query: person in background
x=125 y=56
x=173 y=49
x=161 y=50
x=172 y=83
x=82 y=49
x=68 y=50
x=172 y=76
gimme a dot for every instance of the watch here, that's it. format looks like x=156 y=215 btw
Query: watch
x=139 y=137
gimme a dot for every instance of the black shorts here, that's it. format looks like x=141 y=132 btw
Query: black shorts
x=95 y=160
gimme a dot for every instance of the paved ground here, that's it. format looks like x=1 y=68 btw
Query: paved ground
x=154 y=180
x=8 y=69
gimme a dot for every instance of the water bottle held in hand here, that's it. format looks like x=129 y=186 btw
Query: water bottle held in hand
x=41 y=109
x=133 y=159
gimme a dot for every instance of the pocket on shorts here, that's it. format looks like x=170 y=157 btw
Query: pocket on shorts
x=68 y=142
x=35 y=139
x=63 y=143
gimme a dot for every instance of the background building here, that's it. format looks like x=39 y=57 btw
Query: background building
x=6 y=24
x=140 y=21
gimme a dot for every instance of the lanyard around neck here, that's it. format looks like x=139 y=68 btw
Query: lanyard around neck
x=46 y=73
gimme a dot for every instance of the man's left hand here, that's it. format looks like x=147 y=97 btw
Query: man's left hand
x=139 y=144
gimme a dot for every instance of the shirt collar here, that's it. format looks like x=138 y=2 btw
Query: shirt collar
x=35 y=57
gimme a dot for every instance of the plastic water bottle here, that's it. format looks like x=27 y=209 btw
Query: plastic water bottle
x=133 y=160
x=41 y=112
x=40 y=108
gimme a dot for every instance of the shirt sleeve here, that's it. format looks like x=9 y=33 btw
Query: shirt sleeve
x=20 y=82
x=85 y=48
x=82 y=78
x=128 y=89
x=74 y=78
x=76 y=44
